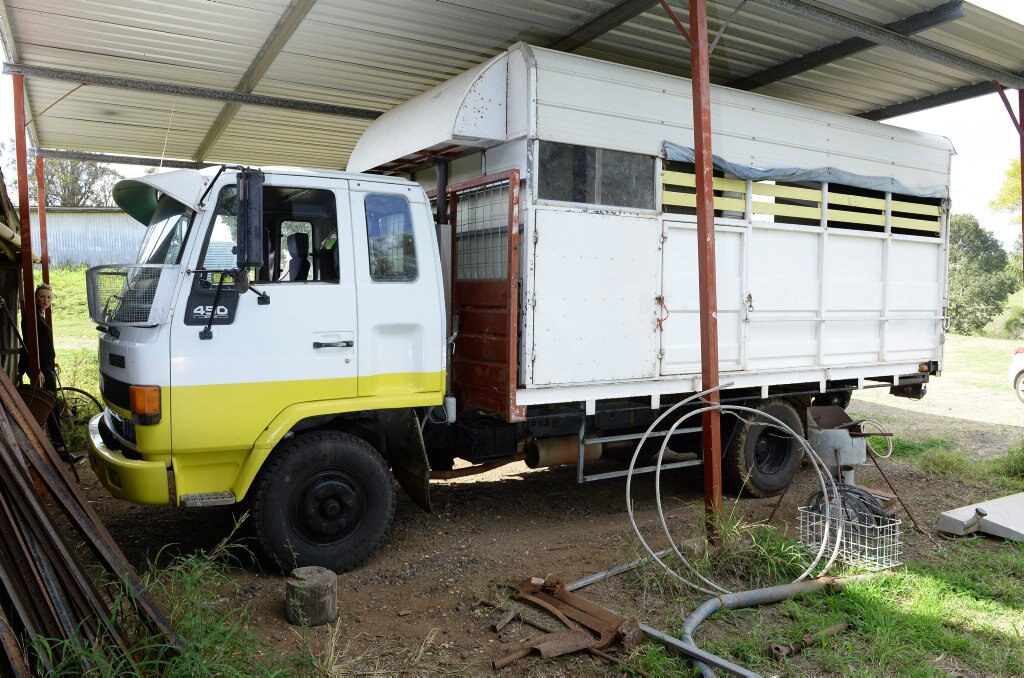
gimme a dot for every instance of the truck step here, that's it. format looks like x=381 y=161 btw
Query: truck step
x=207 y=499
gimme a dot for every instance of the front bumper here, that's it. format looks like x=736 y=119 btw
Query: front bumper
x=142 y=482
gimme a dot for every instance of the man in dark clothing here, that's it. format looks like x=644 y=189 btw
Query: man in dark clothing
x=47 y=377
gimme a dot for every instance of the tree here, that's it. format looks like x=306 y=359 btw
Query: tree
x=979 y=281
x=68 y=183
x=1008 y=197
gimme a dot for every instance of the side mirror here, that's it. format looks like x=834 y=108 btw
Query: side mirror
x=241 y=278
x=250 y=219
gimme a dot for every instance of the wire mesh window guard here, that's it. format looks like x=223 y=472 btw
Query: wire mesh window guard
x=125 y=295
x=481 y=232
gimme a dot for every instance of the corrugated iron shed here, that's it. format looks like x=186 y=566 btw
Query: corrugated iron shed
x=369 y=55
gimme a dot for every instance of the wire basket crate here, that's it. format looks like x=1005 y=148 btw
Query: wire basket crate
x=868 y=541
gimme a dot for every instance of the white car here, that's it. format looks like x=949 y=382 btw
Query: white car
x=1016 y=373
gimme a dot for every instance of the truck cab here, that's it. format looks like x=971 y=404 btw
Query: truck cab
x=270 y=311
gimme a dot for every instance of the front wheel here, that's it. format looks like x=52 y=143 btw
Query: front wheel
x=74 y=409
x=763 y=458
x=323 y=498
x=1018 y=386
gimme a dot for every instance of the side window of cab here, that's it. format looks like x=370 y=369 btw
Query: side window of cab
x=300 y=235
x=389 y=235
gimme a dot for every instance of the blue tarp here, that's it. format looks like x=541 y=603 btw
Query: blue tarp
x=678 y=153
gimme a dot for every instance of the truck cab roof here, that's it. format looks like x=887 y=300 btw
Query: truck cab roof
x=138 y=196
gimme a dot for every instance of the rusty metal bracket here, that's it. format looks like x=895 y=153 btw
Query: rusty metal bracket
x=778 y=651
x=551 y=594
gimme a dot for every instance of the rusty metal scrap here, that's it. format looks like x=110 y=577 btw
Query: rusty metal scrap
x=778 y=651
x=550 y=645
x=47 y=590
x=551 y=594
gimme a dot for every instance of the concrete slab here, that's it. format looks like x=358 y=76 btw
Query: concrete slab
x=1004 y=518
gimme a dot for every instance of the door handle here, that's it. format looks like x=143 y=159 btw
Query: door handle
x=334 y=344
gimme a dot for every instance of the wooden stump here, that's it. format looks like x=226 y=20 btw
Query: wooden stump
x=311 y=597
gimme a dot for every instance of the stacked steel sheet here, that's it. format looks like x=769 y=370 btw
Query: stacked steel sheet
x=51 y=587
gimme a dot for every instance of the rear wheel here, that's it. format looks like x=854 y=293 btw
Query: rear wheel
x=1018 y=386
x=762 y=459
x=323 y=498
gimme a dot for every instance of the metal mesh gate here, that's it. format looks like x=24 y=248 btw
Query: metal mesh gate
x=485 y=292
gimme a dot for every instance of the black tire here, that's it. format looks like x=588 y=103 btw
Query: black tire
x=323 y=498
x=74 y=409
x=762 y=460
x=1018 y=386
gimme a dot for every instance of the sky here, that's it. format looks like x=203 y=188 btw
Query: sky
x=980 y=129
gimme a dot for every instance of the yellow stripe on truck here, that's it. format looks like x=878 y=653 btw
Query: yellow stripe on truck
x=222 y=433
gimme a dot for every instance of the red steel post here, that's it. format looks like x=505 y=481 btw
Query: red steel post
x=44 y=250
x=706 y=256
x=28 y=279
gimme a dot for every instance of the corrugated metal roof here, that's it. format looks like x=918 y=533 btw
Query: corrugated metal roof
x=374 y=54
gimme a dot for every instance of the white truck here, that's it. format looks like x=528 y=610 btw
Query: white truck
x=295 y=339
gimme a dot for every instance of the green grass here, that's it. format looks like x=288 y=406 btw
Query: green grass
x=960 y=611
x=195 y=591
x=72 y=327
x=939 y=457
x=978 y=361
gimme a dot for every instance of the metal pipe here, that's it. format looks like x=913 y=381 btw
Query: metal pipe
x=707 y=291
x=27 y=277
x=44 y=73
x=44 y=249
x=559 y=451
x=119 y=159
x=754 y=598
x=889 y=38
x=697 y=654
x=612 y=571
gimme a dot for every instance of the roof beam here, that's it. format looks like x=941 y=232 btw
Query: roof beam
x=908 y=26
x=888 y=38
x=609 y=21
x=286 y=26
x=924 y=103
x=10 y=48
x=116 y=82
x=117 y=159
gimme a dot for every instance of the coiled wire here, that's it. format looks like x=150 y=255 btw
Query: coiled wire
x=826 y=484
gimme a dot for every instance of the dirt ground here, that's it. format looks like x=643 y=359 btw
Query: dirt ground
x=411 y=610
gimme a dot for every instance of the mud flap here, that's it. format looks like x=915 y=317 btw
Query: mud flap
x=405 y=451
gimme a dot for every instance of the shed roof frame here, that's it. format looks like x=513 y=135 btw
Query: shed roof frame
x=624 y=24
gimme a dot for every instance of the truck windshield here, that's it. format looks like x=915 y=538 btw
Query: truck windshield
x=167 y=233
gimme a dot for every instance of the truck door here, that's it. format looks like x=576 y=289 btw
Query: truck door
x=401 y=304
x=297 y=343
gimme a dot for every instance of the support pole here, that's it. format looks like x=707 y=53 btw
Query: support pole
x=708 y=295
x=1018 y=122
x=44 y=250
x=28 y=280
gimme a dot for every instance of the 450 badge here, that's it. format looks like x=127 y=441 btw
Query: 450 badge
x=200 y=306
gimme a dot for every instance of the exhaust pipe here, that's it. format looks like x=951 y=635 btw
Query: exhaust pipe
x=544 y=452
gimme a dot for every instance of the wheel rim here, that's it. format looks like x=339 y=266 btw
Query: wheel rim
x=1020 y=388
x=771 y=451
x=328 y=507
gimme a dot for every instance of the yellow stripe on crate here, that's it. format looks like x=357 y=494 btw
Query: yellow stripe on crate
x=916 y=208
x=690 y=181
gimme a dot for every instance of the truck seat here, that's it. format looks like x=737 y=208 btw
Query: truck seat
x=298 y=262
